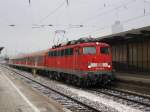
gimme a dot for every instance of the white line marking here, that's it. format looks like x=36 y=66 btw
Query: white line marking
x=22 y=95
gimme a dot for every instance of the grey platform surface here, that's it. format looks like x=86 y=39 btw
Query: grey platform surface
x=15 y=96
x=133 y=77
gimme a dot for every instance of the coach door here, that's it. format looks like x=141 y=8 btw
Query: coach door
x=76 y=58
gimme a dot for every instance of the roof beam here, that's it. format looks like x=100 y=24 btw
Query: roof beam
x=145 y=32
x=133 y=35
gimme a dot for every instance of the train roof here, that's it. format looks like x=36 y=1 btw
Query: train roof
x=69 y=44
x=81 y=42
x=38 y=53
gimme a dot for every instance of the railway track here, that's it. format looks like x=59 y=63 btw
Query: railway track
x=128 y=98
x=68 y=102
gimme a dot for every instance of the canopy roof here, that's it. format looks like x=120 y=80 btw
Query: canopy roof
x=138 y=33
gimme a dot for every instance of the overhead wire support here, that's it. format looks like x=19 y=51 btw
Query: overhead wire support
x=29 y=2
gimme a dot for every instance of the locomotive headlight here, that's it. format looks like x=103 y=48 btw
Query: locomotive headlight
x=89 y=66
x=109 y=66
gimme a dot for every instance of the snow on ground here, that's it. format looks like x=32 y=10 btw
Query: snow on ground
x=110 y=103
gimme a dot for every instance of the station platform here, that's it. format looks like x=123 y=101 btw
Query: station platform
x=134 y=78
x=16 y=96
x=133 y=82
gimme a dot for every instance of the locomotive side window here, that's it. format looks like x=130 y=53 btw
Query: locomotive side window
x=68 y=51
x=49 y=53
x=89 y=50
x=62 y=52
x=71 y=51
x=52 y=53
x=104 y=50
x=58 y=53
x=55 y=53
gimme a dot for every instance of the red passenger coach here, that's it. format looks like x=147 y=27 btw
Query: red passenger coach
x=36 y=59
x=81 y=63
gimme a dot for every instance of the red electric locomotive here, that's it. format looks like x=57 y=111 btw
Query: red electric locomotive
x=79 y=63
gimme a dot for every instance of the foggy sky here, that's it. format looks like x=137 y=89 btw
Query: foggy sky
x=32 y=32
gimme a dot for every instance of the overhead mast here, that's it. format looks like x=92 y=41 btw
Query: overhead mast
x=67 y=1
x=29 y=2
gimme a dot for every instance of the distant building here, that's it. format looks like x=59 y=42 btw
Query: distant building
x=117 y=27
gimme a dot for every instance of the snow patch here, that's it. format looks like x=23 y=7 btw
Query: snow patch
x=110 y=103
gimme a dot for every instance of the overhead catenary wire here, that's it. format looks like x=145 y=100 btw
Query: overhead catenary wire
x=108 y=26
x=121 y=6
x=126 y=21
x=55 y=10
x=52 y=12
x=106 y=12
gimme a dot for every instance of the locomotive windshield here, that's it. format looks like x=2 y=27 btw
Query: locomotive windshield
x=104 y=50
x=89 y=50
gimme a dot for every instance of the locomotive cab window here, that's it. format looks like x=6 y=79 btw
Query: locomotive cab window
x=89 y=50
x=104 y=50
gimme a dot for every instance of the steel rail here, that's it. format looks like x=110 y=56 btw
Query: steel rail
x=122 y=97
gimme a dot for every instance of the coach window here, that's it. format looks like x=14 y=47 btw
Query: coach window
x=89 y=50
x=49 y=53
x=104 y=50
x=62 y=52
x=55 y=53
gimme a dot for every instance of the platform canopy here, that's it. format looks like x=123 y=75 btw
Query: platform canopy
x=134 y=34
